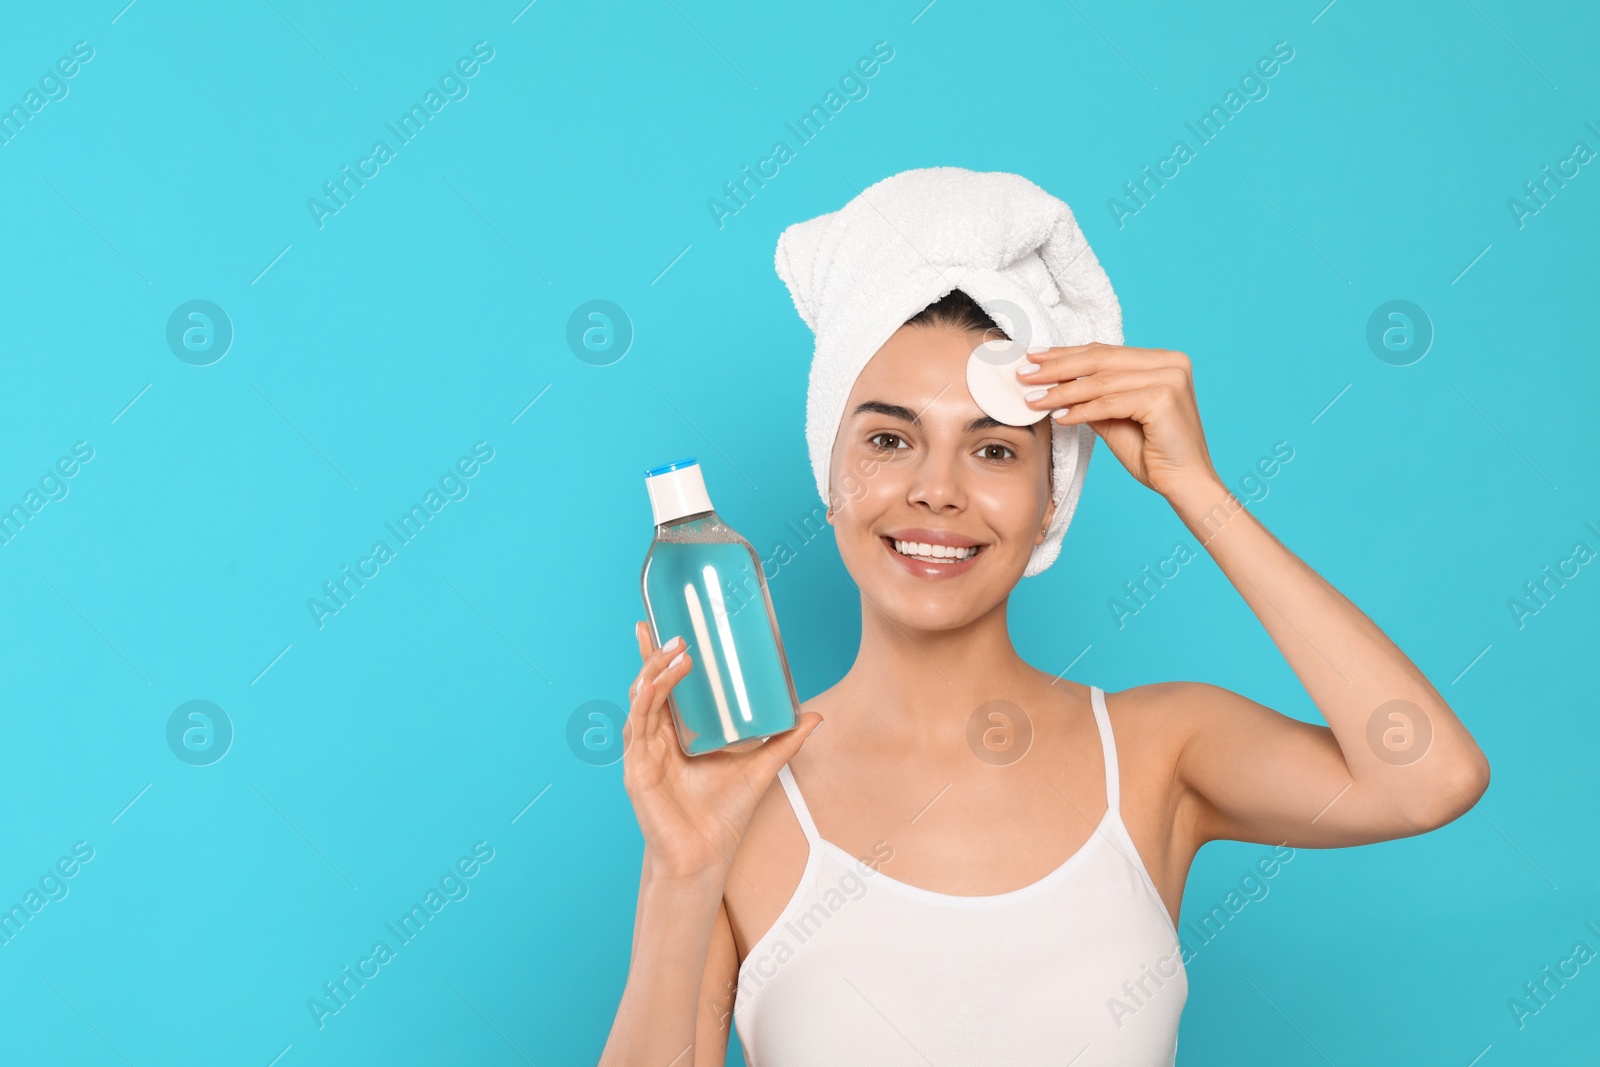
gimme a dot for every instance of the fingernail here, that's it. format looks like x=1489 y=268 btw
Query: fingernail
x=1058 y=412
x=817 y=727
x=674 y=643
x=675 y=660
x=1035 y=394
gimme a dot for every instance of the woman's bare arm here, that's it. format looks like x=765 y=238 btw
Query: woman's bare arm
x=660 y=1021
x=1393 y=761
x=693 y=814
x=717 y=990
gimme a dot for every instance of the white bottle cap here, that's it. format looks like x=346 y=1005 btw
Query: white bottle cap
x=677 y=490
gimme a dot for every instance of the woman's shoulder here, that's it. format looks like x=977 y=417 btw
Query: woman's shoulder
x=1157 y=719
x=823 y=701
x=1169 y=703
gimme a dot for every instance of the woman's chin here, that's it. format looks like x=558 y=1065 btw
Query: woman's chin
x=926 y=609
x=916 y=600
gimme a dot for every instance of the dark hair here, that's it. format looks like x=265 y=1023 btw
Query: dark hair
x=955 y=309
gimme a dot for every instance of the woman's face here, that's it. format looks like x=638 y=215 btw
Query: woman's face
x=917 y=460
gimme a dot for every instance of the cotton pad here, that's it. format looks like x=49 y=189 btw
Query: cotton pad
x=992 y=379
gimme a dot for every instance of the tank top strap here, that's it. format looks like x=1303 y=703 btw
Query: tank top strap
x=802 y=814
x=1108 y=748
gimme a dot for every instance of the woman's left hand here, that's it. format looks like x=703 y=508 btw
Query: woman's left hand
x=1139 y=400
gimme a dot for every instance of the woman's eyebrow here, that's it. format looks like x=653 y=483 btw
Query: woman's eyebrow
x=893 y=411
x=905 y=414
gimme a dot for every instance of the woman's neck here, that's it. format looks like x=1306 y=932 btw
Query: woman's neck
x=922 y=687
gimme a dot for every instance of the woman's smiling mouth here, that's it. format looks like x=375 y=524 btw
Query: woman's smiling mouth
x=933 y=553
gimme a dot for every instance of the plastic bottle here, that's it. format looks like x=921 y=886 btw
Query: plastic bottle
x=703 y=582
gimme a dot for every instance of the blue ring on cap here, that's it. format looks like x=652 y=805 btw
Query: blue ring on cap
x=677 y=465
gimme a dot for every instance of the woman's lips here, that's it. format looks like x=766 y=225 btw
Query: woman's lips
x=932 y=570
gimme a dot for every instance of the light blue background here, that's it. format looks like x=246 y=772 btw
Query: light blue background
x=430 y=311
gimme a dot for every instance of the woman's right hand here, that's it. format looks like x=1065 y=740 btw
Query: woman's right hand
x=693 y=811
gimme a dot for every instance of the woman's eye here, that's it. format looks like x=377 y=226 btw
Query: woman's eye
x=875 y=438
x=1003 y=448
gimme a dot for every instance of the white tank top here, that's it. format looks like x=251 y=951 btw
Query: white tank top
x=1082 y=967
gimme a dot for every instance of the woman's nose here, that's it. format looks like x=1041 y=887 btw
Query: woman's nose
x=935 y=481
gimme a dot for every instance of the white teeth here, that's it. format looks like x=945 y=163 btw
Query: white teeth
x=933 y=553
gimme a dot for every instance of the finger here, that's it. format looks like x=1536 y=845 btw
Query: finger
x=1135 y=405
x=662 y=684
x=664 y=660
x=635 y=730
x=647 y=645
x=637 y=722
x=781 y=748
x=1081 y=390
x=639 y=695
x=658 y=658
x=1075 y=391
x=654 y=659
x=648 y=718
x=650 y=751
x=1064 y=364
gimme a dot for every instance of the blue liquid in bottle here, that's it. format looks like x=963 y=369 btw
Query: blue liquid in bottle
x=703 y=582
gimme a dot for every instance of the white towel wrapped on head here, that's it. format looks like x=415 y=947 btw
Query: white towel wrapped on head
x=858 y=273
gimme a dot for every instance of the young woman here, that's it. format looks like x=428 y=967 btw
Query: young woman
x=904 y=890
